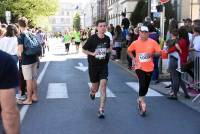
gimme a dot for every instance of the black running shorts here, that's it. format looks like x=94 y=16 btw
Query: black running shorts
x=98 y=73
x=77 y=43
x=67 y=45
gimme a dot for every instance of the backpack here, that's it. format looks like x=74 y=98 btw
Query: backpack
x=32 y=46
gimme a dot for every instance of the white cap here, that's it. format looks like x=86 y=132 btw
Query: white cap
x=144 y=29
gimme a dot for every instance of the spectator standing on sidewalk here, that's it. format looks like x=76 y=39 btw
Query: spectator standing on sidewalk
x=145 y=49
x=98 y=50
x=112 y=31
x=8 y=82
x=29 y=63
x=125 y=24
x=9 y=42
x=117 y=41
x=173 y=64
x=41 y=37
x=2 y=32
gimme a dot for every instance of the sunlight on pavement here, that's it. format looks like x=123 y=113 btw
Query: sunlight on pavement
x=57 y=52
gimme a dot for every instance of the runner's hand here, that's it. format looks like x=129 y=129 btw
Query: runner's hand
x=93 y=54
x=133 y=64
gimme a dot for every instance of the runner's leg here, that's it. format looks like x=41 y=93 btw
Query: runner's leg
x=103 y=84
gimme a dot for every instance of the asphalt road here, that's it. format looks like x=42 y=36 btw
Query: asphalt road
x=75 y=113
x=64 y=106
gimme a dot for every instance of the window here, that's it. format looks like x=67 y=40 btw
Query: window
x=62 y=20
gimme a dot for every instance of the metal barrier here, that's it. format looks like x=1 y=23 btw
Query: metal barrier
x=194 y=83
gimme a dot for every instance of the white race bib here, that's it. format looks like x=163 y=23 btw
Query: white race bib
x=100 y=53
x=144 y=57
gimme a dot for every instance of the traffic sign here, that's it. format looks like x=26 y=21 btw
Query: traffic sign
x=164 y=1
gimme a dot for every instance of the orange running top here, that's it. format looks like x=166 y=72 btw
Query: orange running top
x=144 y=51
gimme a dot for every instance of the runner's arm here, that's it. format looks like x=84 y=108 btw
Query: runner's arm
x=88 y=52
x=130 y=50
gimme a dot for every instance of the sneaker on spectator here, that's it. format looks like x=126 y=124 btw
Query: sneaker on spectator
x=179 y=70
x=168 y=86
x=20 y=97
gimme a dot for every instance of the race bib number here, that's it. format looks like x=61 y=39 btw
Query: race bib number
x=101 y=53
x=144 y=57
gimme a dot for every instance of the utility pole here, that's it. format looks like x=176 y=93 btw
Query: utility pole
x=149 y=8
x=92 y=7
x=162 y=22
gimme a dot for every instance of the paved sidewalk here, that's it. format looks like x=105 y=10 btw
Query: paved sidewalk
x=160 y=87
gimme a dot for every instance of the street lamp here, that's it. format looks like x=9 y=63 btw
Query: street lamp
x=99 y=9
x=92 y=8
x=84 y=19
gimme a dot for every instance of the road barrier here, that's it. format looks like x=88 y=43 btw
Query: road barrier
x=194 y=83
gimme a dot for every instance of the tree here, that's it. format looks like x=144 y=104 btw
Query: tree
x=76 y=21
x=139 y=13
x=28 y=8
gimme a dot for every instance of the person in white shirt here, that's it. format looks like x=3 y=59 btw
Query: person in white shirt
x=196 y=40
x=9 y=42
x=108 y=33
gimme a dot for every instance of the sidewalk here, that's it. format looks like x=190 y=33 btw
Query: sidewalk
x=160 y=87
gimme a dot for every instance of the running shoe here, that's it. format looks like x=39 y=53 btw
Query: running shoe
x=101 y=114
x=92 y=96
x=168 y=86
x=142 y=109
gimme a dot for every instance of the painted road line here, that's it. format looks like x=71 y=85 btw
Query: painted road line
x=24 y=109
x=167 y=83
x=135 y=87
x=42 y=73
x=81 y=67
x=57 y=91
x=109 y=93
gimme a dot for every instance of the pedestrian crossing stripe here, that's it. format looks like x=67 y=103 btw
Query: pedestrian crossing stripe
x=135 y=87
x=167 y=83
x=109 y=93
x=57 y=91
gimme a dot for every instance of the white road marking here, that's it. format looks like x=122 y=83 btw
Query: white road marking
x=57 y=91
x=109 y=93
x=81 y=67
x=167 y=83
x=42 y=73
x=135 y=87
x=24 y=109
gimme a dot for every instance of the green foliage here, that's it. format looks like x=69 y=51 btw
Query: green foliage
x=76 y=21
x=44 y=24
x=139 y=13
x=28 y=8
